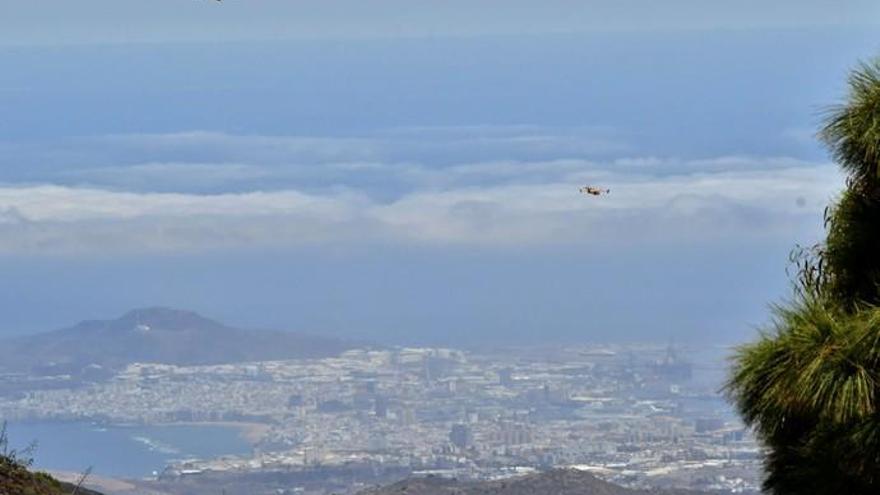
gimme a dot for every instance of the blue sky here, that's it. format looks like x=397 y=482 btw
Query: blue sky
x=408 y=172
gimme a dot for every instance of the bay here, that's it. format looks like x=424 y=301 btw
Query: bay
x=122 y=451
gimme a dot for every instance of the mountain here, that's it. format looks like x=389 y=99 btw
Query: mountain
x=155 y=335
x=556 y=482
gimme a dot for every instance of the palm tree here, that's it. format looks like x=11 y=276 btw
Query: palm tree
x=852 y=134
x=810 y=385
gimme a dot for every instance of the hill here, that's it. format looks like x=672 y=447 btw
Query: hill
x=16 y=479
x=158 y=335
x=556 y=482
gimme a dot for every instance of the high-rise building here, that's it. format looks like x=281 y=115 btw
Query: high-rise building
x=461 y=436
x=672 y=368
x=505 y=377
x=407 y=416
x=381 y=407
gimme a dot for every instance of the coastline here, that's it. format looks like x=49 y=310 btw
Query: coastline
x=126 y=451
x=94 y=482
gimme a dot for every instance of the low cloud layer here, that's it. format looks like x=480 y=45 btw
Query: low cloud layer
x=352 y=191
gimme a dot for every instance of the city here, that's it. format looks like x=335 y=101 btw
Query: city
x=637 y=415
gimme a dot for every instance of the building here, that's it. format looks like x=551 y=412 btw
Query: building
x=461 y=436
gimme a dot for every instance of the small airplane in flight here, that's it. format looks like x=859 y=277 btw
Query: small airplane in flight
x=594 y=191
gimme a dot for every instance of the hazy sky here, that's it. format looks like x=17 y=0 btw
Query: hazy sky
x=83 y=21
x=408 y=171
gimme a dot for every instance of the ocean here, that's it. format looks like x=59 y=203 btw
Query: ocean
x=122 y=451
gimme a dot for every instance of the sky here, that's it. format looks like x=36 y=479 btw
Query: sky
x=407 y=172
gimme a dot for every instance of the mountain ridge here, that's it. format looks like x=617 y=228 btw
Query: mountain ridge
x=155 y=334
x=552 y=482
x=162 y=316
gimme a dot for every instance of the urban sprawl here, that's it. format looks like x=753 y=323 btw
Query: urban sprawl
x=638 y=415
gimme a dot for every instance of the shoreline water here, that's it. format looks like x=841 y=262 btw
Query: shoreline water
x=132 y=451
x=250 y=432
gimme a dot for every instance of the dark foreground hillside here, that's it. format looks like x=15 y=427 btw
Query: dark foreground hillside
x=15 y=479
x=556 y=482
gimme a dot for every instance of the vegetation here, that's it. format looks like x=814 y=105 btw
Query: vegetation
x=16 y=478
x=810 y=385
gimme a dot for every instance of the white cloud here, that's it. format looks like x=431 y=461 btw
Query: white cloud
x=170 y=175
x=470 y=185
x=699 y=206
x=391 y=161
x=66 y=204
x=381 y=164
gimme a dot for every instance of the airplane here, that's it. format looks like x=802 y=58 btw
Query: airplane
x=594 y=191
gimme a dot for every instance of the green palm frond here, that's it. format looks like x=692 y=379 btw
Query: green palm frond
x=810 y=385
x=816 y=360
x=851 y=254
x=852 y=130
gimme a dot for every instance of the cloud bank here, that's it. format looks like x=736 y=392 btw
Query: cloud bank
x=362 y=191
